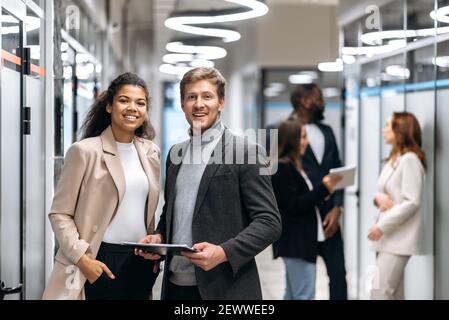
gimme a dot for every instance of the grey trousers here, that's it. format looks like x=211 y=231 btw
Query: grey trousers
x=388 y=281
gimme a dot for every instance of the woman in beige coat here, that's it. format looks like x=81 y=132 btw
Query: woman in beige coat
x=397 y=231
x=107 y=193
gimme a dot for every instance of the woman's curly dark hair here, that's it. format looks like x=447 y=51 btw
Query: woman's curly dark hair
x=98 y=119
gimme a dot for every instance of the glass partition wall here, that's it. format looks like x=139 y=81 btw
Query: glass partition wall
x=409 y=75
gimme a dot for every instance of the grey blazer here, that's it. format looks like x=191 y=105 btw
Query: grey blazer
x=236 y=209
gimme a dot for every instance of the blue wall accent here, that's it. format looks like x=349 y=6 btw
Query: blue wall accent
x=287 y=105
x=400 y=88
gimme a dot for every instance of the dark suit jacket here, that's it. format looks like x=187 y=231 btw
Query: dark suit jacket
x=316 y=171
x=236 y=209
x=297 y=206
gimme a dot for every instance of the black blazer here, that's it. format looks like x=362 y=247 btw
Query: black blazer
x=316 y=171
x=297 y=206
x=236 y=209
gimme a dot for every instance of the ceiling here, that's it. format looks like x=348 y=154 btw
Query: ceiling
x=146 y=18
x=322 y=2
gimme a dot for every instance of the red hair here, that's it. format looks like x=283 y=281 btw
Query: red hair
x=407 y=132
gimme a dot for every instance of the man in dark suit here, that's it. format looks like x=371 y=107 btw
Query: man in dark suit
x=224 y=207
x=321 y=155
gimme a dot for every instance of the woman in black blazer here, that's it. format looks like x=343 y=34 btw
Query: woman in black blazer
x=297 y=201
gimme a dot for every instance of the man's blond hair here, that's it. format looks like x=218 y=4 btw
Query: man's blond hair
x=210 y=74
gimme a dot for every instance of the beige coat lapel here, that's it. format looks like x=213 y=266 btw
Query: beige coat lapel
x=149 y=159
x=387 y=171
x=113 y=163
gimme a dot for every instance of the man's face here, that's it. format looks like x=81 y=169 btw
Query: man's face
x=316 y=105
x=201 y=104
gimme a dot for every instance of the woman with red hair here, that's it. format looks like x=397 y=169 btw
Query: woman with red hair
x=396 y=233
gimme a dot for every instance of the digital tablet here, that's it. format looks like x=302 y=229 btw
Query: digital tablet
x=348 y=175
x=160 y=248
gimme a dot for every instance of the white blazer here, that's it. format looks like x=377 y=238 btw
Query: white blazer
x=403 y=180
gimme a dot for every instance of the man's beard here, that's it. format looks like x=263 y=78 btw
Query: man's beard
x=316 y=113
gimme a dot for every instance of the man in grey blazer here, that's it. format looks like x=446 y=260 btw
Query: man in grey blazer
x=218 y=198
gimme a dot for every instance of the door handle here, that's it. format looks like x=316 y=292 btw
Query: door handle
x=26 y=56
x=7 y=291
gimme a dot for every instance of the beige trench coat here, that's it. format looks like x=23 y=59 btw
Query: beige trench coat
x=88 y=193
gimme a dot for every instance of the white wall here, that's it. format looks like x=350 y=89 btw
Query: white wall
x=297 y=35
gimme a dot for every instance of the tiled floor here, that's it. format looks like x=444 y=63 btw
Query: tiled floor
x=272 y=277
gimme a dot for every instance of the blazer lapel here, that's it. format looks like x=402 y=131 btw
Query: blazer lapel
x=386 y=173
x=326 y=144
x=172 y=174
x=150 y=164
x=112 y=161
x=210 y=170
x=311 y=155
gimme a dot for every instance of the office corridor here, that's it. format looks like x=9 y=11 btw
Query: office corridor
x=368 y=66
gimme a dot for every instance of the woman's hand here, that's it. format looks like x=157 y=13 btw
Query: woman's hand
x=374 y=234
x=92 y=269
x=384 y=201
x=152 y=238
x=330 y=181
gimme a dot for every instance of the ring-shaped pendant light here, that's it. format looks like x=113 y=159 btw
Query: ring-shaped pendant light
x=185 y=53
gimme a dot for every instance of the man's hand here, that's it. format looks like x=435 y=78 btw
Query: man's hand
x=152 y=238
x=208 y=257
x=384 y=201
x=92 y=269
x=330 y=222
x=374 y=234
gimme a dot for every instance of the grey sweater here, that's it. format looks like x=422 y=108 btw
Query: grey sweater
x=186 y=191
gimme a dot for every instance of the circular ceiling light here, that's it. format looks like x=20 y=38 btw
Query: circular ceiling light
x=440 y=14
x=300 y=79
x=189 y=21
x=174 y=69
x=332 y=66
x=202 y=63
x=203 y=52
x=174 y=58
x=348 y=59
x=373 y=50
x=398 y=71
x=192 y=52
x=375 y=38
x=441 y=61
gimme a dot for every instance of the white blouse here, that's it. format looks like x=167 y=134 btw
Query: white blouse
x=129 y=222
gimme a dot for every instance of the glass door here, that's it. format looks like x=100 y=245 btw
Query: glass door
x=11 y=153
